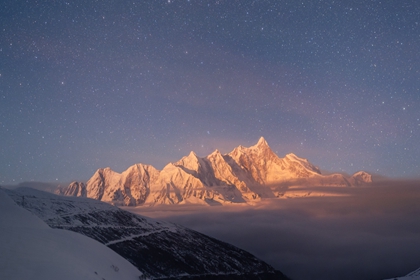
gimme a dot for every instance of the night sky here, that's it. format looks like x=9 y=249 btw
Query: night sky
x=90 y=84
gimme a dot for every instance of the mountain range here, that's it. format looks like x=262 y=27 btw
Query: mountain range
x=245 y=175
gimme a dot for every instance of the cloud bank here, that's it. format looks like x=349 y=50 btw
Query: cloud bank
x=371 y=233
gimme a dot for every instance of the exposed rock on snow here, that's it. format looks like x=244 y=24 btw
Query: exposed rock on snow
x=241 y=176
x=75 y=189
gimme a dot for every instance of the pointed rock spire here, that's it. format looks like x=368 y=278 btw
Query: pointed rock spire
x=262 y=142
x=192 y=157
x=192 y=154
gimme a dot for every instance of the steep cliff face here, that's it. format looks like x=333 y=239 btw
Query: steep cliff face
x=241 y=176
x=173 y=186
x=135 y=183
x=75 y=189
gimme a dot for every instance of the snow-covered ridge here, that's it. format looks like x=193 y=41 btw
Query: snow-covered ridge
x=242 y=176
x=157 y=249
x=30 y=249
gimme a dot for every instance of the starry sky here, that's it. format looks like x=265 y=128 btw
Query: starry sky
x=90 y=84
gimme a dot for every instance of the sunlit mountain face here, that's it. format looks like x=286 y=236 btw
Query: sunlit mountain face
x=245 y=175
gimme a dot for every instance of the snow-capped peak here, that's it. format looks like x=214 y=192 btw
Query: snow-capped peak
x=191 y=162
x=261 y=143
x=214 y=153
x=362 y=177
x=192 y=154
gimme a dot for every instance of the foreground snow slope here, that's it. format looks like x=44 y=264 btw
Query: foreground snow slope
x=160 y=250
x=30 y=249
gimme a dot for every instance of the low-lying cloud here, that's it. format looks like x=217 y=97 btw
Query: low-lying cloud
x=371 y=233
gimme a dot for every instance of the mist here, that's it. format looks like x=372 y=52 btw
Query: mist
x=370 y=232
x=42 y=186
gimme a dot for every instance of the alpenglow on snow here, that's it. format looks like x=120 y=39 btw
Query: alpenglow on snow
x=241 y=176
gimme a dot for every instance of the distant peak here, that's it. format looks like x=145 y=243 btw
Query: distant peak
x=192 y=153
x=102 y=171
x=169 y=166
x=363 y=176
x=215 y=152
x=192 y=157
x=262 y=142
x=240 y=147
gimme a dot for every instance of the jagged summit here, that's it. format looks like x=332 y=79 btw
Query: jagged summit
x=192 y=154
x=215 y=152
x=241 y=176
x=261 y=147
x=261 y=142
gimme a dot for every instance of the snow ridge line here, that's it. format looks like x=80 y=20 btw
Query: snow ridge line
x=135 y=236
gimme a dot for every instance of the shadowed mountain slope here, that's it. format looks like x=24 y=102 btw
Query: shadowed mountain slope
x=158 y=249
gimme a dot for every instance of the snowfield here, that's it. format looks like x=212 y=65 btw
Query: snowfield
x=30 y=249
